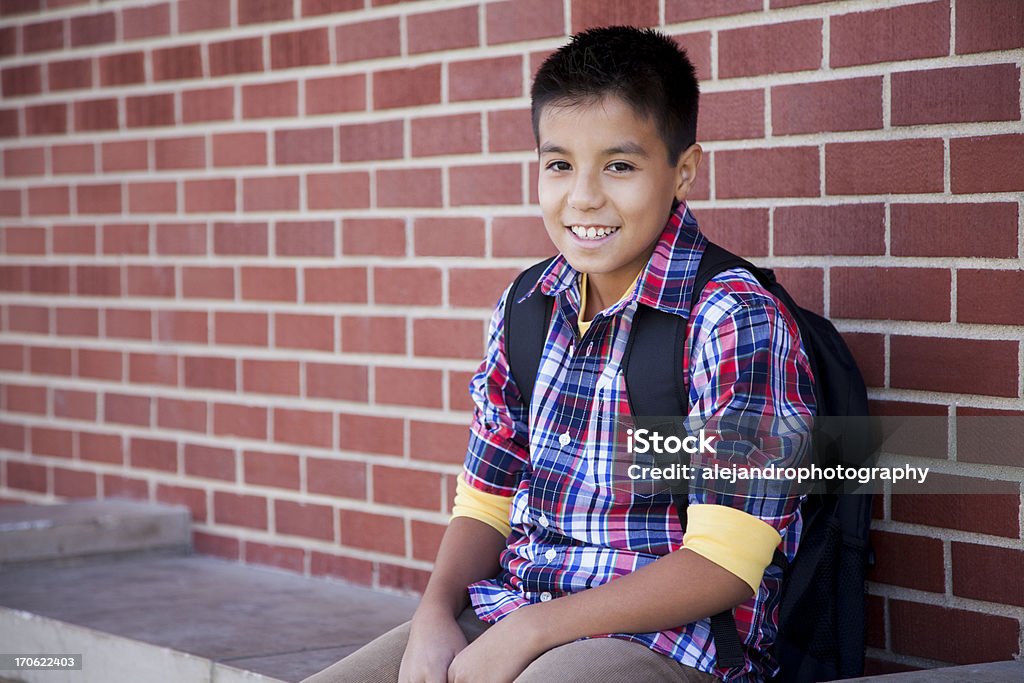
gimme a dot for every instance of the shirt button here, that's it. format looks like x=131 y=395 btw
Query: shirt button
x=545 y=596
x=564 y=439
x=542 y=520
x=551 y=554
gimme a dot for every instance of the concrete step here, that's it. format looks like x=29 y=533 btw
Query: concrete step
x=45 y=532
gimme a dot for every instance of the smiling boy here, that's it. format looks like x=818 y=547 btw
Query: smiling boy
x=552 y=553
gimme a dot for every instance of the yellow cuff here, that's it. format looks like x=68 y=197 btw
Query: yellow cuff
x=734 y=540
x=488 y=508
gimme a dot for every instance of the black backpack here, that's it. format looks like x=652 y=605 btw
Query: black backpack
x=822 y=609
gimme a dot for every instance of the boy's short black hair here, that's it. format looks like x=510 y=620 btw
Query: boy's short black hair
x=643 y=67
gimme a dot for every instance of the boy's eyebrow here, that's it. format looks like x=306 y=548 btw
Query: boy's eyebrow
x=631 y=148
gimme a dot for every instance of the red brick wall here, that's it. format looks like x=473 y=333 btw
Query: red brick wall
x=249 y=247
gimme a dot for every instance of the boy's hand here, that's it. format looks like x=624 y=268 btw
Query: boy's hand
x=501 y=653
x=434 y=640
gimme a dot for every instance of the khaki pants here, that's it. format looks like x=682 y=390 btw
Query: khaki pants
x=609 y=660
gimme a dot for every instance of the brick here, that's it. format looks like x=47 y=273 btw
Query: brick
x=371 y=141
x=338 y=381
x=244 y=329
x=99 y=364
x=970 y=366
x=951 y=635
x=312 y=8
x=975 y=300
x=149 y=110
x=210 y=195
x=25 y=241
x=407 y=87
x=954 y=229
x=270 y=193
x=240 y=239
x=153 y=281
x=207 y=104
x=426 y=539
x=272 y=469
x=24 y=161
x=146 y=22
x=259 y=11
x=69 y=74
x=179 y=153
x=10 y=203
x=509 y=22
x=448 y=338
x=891 y=293
x=349 y=569
x=12 y=7
x=927 y=22
x=869 y=352
x=200 y=15
x=50 y=119
x=478 y=287
x=206 y=372
x=12 y=437
x=443 y=30
x=409 y=387
x=304 y=146
x=852 y=104
x=217 y=546
x=49 y=280
x=42 y=36
x=299 y=48
x=334 y=477
x=401 y=577
x=304 y=331
x=98 y=199
x=78 y=322
x=123 y=409
x=304 y=519
x=9 y=40
x=29 y=319
x=183 y=326
x=98 y=280
x=681 y=10
x=50 y=361
x=741 y=230
x=180 y=414
x=335 y=94
x=363 y=334
x=779 y=172
x=589 y=13
x=369 y=434
x=303 y=427
x=74 y=483
x=201 y=282
x=368 y=40
x=244 y=421
x=979 y=572
x=406 y=487
x=124 y=155
x=438 y=442
x=78 y=405
x=153 y=197
x=72 y=158
x=177 y=63
x=239 y=149
x=484 y=79
x=19 y=81
x=407 y=286
x=74 y=239
x=304 y=238
x=126 y=239
x=24 y=399
x=93 y=29
x=732 y=115
x=56 y=442
x=449 y=236
x=369 y=531
x=409 y=187
x=884 y=167
x=270 y=100
x=989 y=26
x=239 y=510
x=338 y=190
x=459 y=134
x=236 y=56
x=335 y=285
x=486 y=185
x=986 y=164
x=510 y=131
x=981 y=434
x=844 y=229
x=283 y=557
x=192 y=498
x=9 y=124
x=909 y=561
x=268 y=284
x=129 y=324
x=520 y=236
x=26 y=476
x=775 y=48
x=122 y=69
x=958 y=95
x=209 y=462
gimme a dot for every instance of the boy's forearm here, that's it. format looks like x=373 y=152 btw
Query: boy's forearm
x=677 y=589
x=469 y=552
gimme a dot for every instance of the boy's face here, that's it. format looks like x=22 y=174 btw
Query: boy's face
x=606 y=187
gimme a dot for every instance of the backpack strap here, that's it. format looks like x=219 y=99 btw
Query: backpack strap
x=526 y=325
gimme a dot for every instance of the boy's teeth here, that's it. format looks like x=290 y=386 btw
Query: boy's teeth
x=592 y=233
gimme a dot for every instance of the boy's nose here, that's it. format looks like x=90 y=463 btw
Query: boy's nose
x=585 y=195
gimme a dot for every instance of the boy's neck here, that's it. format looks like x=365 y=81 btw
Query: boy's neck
x=604 y=290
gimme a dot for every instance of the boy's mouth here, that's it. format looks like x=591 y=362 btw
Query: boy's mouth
x=593 y=232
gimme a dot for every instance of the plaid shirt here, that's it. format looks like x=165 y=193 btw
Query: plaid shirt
x=572 y=528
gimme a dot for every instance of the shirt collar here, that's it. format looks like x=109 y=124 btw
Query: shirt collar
x=666 y=282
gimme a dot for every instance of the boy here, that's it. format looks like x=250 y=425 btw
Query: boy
x=552 y=552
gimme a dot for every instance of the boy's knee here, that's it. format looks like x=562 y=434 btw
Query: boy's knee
x=610 y=660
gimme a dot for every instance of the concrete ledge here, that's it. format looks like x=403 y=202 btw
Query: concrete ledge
x=993 y=672
x=42 y=532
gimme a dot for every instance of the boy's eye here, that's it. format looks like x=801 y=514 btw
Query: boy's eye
x=559 y=166
x=620 y=167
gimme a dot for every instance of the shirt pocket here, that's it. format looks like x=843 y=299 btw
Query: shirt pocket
x=608 y=459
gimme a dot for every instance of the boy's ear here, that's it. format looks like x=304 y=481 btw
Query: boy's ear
x=686 y=170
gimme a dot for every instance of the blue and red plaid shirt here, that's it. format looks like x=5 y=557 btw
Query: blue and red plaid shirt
x=573 y=527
